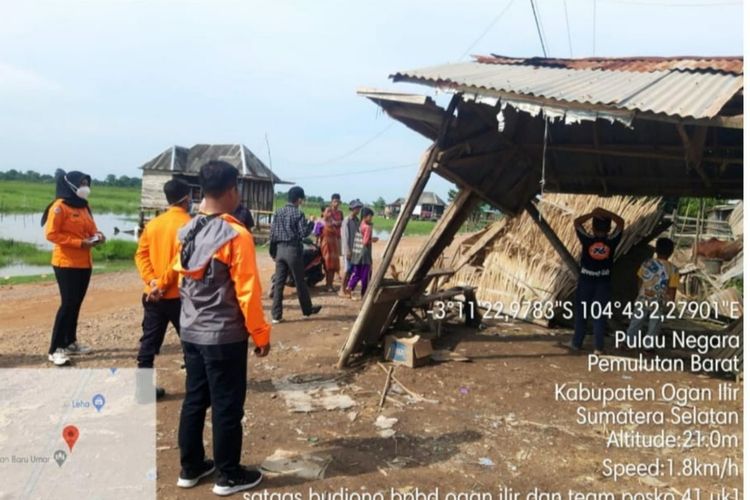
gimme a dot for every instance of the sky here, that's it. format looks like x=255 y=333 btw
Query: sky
x=103 y=86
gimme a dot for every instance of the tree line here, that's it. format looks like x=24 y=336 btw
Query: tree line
x=378 y=205
x=32 y=176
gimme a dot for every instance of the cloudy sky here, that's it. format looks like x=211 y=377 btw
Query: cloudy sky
x=102 y=86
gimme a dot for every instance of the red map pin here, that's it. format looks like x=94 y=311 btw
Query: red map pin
x=70 y=435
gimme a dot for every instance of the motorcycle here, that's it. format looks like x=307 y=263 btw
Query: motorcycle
x=312 y=263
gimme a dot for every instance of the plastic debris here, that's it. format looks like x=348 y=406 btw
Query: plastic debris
x=302 y=465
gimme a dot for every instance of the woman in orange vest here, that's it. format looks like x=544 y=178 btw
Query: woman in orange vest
x=69 y=225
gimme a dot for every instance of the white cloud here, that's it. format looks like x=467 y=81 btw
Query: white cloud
x=15 y=81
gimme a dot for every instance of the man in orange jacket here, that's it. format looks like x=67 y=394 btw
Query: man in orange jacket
x=157 y=248
x=221 y=308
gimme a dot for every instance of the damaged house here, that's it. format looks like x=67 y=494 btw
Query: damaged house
x=516 y=130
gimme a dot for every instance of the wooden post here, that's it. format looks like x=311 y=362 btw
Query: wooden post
x=428 y=159
x=673 y=229
x=699 y=228
x=694 y=150
x=558 y=245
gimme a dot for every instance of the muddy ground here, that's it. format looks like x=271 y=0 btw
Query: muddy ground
x=495 y=423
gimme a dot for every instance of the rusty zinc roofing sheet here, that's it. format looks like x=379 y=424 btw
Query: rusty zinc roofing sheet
x=685 y=94
x=725 y=64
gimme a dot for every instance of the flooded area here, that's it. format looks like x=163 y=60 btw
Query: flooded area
x=27 y=227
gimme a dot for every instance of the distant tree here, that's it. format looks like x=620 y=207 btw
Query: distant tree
x=34 y=176
x=29 y=176
x=476 y=215
x=379 y=205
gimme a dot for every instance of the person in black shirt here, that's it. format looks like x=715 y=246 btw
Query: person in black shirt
x=245 y=216
x=594 y=283
x=288 y=228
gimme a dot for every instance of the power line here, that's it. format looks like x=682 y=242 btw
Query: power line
x=487 y=29
x=354 y=149
x=567 y=25
x=541 y=24
x=538 y=29
x=349 y=173
x=676 y=4
x=593 y=35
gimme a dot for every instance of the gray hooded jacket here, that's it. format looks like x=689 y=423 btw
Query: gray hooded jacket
x=210 y=312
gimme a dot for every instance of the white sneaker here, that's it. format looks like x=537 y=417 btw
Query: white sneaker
x=59 y=357
x=77 y=348
x=277 y=321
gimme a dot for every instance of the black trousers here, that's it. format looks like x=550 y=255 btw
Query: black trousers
x=289 y=260
x=73 y=284
x=216 y=377
x=156 y=319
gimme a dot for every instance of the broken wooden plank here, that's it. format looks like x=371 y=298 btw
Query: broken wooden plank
x=554 y=240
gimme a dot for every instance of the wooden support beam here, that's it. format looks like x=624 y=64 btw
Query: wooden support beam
x=483 y=140
x=694 y=150
x=490 y=233
x=558 y=245
x=366 y=318
x=443 y=294
x=391 y=293
x=599 y=164
x=484 y=160
x=625 y=151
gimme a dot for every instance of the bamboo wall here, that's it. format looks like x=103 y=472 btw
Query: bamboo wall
x=152 y=190
x=256 y=195
x=520 y=264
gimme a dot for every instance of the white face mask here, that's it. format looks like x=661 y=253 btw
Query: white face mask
x=82 y=192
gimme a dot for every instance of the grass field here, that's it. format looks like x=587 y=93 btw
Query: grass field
x=20 y=252
x=414 y=228
x=24 y=197
x=113 y=251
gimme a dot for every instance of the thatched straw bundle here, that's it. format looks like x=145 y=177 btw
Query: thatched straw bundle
x=522 y=266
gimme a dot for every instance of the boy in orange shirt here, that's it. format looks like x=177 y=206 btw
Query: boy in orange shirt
x=157 y=248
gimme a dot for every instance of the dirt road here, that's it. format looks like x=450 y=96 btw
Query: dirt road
x=496 y=423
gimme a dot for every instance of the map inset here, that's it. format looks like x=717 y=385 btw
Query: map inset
x=73 y=434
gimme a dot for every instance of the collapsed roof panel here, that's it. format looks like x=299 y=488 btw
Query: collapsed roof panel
x=674 y=91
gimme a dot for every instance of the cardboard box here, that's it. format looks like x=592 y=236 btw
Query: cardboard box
x=408 y=351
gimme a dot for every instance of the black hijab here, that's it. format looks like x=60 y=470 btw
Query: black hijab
x=66 y=193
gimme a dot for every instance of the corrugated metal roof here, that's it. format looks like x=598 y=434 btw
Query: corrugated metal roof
x=725 y=64
x=686 y=94
x=189 y=161
x=430 y=198
x=427 y=198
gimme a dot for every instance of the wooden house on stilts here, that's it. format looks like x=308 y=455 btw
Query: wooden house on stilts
x=256 y=179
